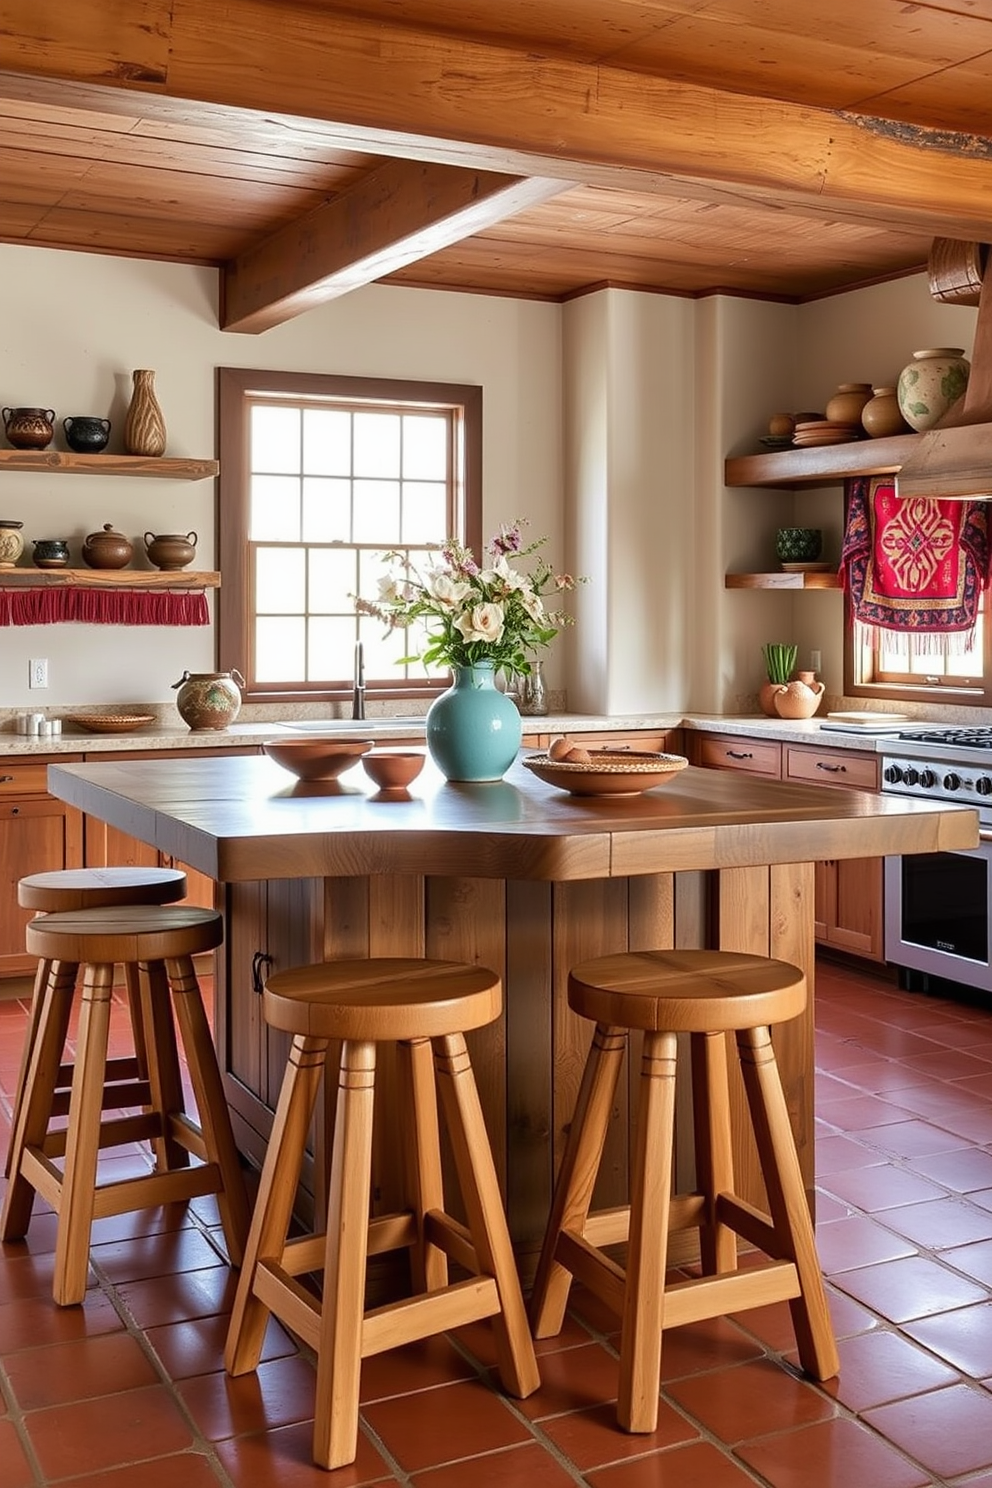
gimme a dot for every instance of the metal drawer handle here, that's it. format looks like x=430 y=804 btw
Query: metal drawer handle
x=259 y=960
x=6 y=779
x=739 y=754
x=831 y=769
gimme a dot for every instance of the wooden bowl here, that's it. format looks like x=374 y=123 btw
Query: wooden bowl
x=393 y=769
x=608 y=773
x=316 y=759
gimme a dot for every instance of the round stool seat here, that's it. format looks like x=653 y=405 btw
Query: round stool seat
x=686 y=991
x=384 y=998
x=127 y=933
x=93 y=888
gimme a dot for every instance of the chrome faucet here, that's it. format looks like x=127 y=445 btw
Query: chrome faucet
x=358 y=690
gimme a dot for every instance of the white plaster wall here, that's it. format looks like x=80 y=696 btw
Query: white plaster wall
x=75 y=325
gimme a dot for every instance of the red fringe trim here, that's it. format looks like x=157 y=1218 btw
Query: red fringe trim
x=103 y=607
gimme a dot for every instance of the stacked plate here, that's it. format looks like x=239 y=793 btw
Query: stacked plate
x=825 y=431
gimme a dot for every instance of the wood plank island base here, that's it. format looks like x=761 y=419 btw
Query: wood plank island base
x=515 y=875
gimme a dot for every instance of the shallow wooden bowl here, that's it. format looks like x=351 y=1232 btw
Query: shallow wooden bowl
x=393 y=769
x=316 y=759
x=616 y=773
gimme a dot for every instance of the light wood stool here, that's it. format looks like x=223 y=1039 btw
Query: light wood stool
x=705 y=994
x=425 y=1007
x=91 y=888
x=160 y=941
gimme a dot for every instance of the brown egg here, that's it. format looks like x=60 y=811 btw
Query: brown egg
x=559 y=749
x=579 y=757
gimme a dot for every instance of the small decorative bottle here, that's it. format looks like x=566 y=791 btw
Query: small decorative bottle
x=144 y=426
x=534 y=695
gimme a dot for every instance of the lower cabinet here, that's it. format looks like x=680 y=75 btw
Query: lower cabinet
x=849 y=891
x=37 y=835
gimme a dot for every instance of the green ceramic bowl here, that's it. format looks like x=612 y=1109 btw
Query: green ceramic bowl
x=798 y=544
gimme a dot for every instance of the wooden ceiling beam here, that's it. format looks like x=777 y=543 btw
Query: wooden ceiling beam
x=402 y=211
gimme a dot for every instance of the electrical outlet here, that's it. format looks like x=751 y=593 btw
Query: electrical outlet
x=816 y=660
x=38 y=672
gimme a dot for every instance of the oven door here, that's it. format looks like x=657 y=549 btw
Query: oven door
x=937 y=914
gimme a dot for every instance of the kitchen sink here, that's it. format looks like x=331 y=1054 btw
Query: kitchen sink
x=346 y=725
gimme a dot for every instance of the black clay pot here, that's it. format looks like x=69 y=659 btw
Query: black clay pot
x=86 y=434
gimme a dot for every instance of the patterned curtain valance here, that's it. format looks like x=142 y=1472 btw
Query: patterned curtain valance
x=103 y=607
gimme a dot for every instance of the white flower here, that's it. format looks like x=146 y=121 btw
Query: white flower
x=483 y=622
x=448 y=592
x=391 y=590
x=532 y=603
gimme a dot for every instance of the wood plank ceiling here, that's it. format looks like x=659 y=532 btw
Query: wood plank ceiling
x=526 y=147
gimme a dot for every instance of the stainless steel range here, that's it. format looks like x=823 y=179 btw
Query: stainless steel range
x=938 y=906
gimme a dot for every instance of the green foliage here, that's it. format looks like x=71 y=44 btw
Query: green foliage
x=779 y=661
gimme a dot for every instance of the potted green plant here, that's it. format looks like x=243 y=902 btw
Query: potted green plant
x=779 y=661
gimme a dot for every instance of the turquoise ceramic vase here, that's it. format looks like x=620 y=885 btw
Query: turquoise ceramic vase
x=473 y=729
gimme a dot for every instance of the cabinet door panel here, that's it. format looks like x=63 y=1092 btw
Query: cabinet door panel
x=37 y=835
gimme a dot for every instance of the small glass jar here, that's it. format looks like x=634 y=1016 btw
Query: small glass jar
x=533 y=693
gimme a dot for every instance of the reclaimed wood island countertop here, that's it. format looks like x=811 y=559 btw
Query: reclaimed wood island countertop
x=516 y=875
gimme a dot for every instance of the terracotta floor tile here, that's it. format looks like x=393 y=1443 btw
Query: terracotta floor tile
x=881 y=1366
x=15 y=1469
x=138 y=1257
x=912 y=1288
x=941 y=1223
x=92 y=1435
x=191 y=1469
x=945 y=1064
x=835 y=1454
x=874 y=1189
x=964 y=1171
x=171 y=1299
x=418 y=1366
x=973 y=1260
x=196 y=1346
x=277 y=1393
x=714 y=1344
x=837 y=1154
x=751 y=1400
x=512 y=1468
x=478 y=1339
x=592 y=1438
x=444 y=1425
x=962 y=1337
x=861 y=1110
x=847 y=1243
x=88 y=1367
x=34 y=1321
x=699 y=1465
x=573 y=1379
x=877 y=1075
x=910 y=1139
x=26 y=1276
x=948 y=1431
x=282 y=1458
x=829 y=1208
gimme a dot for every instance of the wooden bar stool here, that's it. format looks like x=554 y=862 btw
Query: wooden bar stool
x=425 y=1007
x=705 y=994
x=91 y=888
x=160 y=941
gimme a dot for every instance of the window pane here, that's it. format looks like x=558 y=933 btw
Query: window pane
x=280 y=576
x=331 y=656
x=424 y=508
x=275 y=509
x=333 y=577
x=280 y=649
x=425 y=447
x=326 y=510
x=377 y=444
x=326 y=441
x=275 y=439
x=377 y=512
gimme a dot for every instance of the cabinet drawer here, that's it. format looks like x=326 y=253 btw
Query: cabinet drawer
x=23 y=780
x=832 y=767
x=755 y=756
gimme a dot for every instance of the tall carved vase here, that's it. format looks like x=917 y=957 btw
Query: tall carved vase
x=144 y=426
x=473 y=729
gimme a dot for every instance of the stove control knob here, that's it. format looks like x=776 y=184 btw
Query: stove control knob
x=952 y=782
x=928 y=779
x=892 y=774
x=983 y=785
x=911 y=776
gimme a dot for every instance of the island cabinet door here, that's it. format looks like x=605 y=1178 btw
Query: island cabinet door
x=37 y=835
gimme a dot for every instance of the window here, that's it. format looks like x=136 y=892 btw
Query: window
x=319 y=477
x=948 y=669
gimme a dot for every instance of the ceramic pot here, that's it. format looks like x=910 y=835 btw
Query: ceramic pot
x=209 y=700
x=930 y=384
x=881 y=416
x=798 y=544
x=29 y=428
x=766 y=697
x=473 y=729
x=51 y=552
x=144 y=426
x=86 y=434
x=107 y=549
x=11 y=542
x=798 y=699
x=847 y=402
x=170 y=550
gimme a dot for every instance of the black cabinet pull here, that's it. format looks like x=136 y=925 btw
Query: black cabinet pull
x=6 y=779
x=259 y=960
x=831 y=769
x=739 y=754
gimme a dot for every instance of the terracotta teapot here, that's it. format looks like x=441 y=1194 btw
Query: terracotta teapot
x=107 y=549
x=798 y=699
x=170 y=550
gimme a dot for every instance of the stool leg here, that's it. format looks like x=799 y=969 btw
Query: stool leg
x=787 y=1200
x=72 y=1246
x=208 y=1088
x=484 y=1206
x=32 y=1115
x=30 y=1035
x=577 y=1175
x=276 y=1193
x=162 y=1059
x=714 y=1151
x=134 y=1007
x=428 y=1263
x=339 y=1352
x=647 y=1247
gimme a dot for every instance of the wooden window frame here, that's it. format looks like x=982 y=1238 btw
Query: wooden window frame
x=234 y=617
x=950 y=692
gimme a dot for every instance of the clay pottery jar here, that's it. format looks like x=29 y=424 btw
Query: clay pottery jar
x=798 y=699
x=881 y=416
x=781 y=426
x=144 y=425
x=934 y=380
x=209 y=700
x=766 y=697
x=51 y=552
x=847 y=402
x=11 y=542
x=107 y=549
x=170 y=550
x=86 y=434
x=29 y=428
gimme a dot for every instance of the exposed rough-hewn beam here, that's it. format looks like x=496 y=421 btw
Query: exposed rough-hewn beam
x=402 y=211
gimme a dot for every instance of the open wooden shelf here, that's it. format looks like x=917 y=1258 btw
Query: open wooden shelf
x=65 y=462
x=782 y=581
x=103 y=578
x=821 y=464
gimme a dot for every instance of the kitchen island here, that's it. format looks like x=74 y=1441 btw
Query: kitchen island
x=518 y=876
